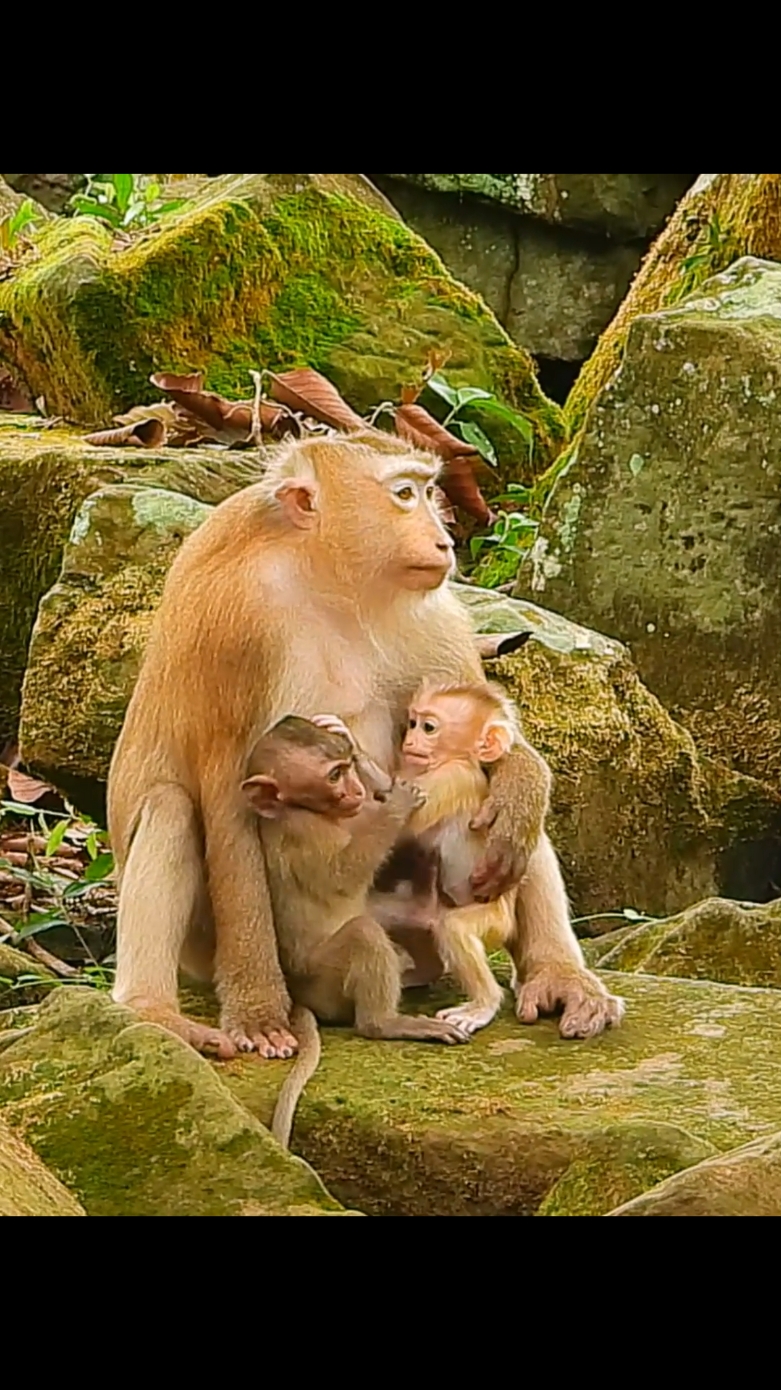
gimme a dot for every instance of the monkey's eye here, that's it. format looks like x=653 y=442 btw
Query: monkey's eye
x=406 y=494
x=431 y=493
x=429 y=727
x=335 y=777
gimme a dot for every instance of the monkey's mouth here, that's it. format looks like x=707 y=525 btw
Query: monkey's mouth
x=420 y=762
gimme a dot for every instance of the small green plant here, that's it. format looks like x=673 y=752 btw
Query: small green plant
x=124 y=201
x=50 y=898
x=714 y=252
x=14 y=227
x=514 y=533
x=459 y=398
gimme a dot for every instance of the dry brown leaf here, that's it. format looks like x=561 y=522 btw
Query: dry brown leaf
x=146 y=434
x=181 y=428
x=169 y=382
x=312 y=394
x=458 y=481
x=229 y=422
x=27 y=791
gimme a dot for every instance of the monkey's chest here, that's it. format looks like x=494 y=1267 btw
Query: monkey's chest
x=329 y=675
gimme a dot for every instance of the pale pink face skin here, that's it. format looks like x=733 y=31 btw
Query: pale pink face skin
x=442 y=729
x=327 y=788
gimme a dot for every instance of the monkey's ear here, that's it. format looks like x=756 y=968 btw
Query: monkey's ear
x=263 y=795
x=495 y=743
x=298 y=500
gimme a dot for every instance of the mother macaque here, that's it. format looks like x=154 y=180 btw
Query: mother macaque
x=321 y=588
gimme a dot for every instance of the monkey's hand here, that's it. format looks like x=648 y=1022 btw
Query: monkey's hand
x=503 y=867
x=486 y=817
x=408 y=797
x=589 y=1009
x=332 y=724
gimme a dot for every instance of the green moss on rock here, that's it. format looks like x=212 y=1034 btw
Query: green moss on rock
x=15 y=966
x=664 y=530
x=744 y=1183
x=260 y=270
x=492 y=1129
x=720 y=940
x=138 y=1125
x=26 y=1187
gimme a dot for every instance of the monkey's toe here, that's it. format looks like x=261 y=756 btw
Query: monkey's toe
x=591 y=1017
x=468 y=1020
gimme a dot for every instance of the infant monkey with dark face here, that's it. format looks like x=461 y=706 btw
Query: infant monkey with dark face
x=340 y=964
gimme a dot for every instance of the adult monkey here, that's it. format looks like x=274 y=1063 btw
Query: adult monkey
x=320 y=588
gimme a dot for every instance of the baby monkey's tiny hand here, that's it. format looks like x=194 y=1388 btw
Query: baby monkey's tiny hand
x=407 y=792
x=332 y=724
x=486 y=817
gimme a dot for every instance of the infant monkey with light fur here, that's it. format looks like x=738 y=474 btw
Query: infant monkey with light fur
x=454 y=733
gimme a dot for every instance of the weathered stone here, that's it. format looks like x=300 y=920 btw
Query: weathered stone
x=45 y=475
x=52 y=190
x=622 y=205
x=138 y=1125
x=492 y=1129
x=15 y=966
x=744 y=1183
x=725 y=216
x=736 y=943
x=665 y=528
x=26 y=1186
x=554 y=290
x=260 y=270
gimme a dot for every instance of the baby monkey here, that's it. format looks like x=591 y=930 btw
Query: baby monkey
x=331 y=818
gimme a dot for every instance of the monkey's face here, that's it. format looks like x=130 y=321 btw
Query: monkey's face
x=405 y=542
x=325 y=787
x=442 y=729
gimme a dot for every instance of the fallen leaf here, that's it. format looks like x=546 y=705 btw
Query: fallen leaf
x=458 y=481
x=27 y=791
x=182 y=429
x=147 y=434
x=229 y=422
x=309 y=392
x=169 y=382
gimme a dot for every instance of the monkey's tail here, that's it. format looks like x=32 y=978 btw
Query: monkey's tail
x=305 y=1027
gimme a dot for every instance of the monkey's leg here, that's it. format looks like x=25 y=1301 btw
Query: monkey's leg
x=357 y=972
x=551 y=972
x=161 y=887
x=250 y=984
x=466 y=960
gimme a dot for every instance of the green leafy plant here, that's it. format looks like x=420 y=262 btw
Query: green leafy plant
x=514 y=532
x=124 y=201
x=41 y=882
x=458 y=399
x=714 y=251
x=14 y=227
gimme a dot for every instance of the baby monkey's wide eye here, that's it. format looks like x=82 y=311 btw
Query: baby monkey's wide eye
x=429 y=727
x=335 y=777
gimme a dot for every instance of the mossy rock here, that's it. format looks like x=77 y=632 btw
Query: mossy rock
x=735 y=943
x=665 y=529
x=260 y=270
x=626 y=206
x=45 y=475
x=27 y=1188
x=15 y=966
x=520 y=1122
x=51 y=190
x=744 y=1183
x=137 y=1125
x=723 y=217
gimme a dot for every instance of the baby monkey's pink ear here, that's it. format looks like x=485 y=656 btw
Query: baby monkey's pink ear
x=495 y=742
x=298 y=500
x=263 y=795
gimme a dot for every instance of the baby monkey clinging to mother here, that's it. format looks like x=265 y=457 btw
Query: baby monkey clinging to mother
x=455 y=732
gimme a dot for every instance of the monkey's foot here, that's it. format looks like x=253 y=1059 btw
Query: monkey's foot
x=470 y=1018
x=210 y=1042
x=423 y=1030
x=278 y=1044
x=588 y=1008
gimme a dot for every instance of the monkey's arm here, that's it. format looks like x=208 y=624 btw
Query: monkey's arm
x=377 y=830
x=520 y=795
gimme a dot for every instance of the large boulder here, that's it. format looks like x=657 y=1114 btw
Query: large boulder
x=736 y=943
x=139 y=1125
x=45 y=475
x=744 y=1183
x=627 y=775
x=723 y=217
x=665 y=528
x=554 y=290
x=258 y=271
x=627 y=206
x=521 y=1123
x=52 y=190
x=27 y=1188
